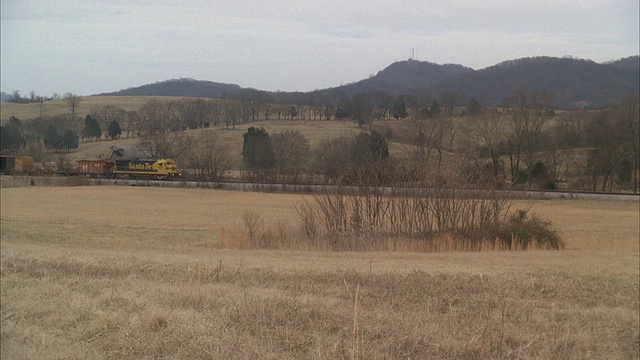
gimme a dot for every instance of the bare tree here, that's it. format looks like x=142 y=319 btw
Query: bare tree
x=208 y=157
x=231 y=113
x=214 y=113
x=425 y=134
x=488 y=130
x=604 y=137
x=162 y=127
x=529 y=112
x=448 y=102
x=361 y=108
x=41 y=108
x=382 y=105
x=253 y=101
x=267 y=110
x=627 y=111
x=132 y=123
x=291 y=149
x=613 y=140
x=331 y=157
x=194 y=113
x=73 y=101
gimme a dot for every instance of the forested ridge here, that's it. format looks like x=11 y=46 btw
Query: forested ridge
x=576 y=83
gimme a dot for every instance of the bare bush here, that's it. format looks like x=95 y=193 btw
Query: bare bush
x=472 y=219
x=254 y=225
x=308 y=219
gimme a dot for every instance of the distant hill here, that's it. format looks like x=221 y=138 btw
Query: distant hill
x=575 y=83
x=181 y=87
x=405 y=77
x=5 y=97
x=631 y=62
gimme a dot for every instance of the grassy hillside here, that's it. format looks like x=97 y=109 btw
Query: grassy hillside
x=61 y=107
x=314 y=131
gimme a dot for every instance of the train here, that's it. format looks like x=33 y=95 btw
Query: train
x=126 y=162
x=154 y=169
x=130 y=162
x=16 y=164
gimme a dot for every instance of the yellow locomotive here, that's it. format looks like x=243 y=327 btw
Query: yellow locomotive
x=162 y=169
x=130 y=166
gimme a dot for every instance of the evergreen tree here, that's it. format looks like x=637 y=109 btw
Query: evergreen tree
x=399 y=109
x=91 y=128
x=257 y=149
x=52 y=139
x=11 y=137
x=114 y=130
x=69 y=140
x=379 y=146
x=369 y=148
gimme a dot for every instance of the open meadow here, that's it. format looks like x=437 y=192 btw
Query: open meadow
x=107 y=272
x=61 y=107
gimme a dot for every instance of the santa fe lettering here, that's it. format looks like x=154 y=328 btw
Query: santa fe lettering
x=145 y=166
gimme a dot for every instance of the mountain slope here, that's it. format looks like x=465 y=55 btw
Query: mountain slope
x=406 y=77
x=181 y=87
x=575 y=83
x=5 y=97
x=631 y=62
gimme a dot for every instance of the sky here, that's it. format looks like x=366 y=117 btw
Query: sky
x=93 y=46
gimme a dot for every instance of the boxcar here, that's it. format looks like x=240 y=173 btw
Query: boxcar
x=15 y=164
x=96 y=167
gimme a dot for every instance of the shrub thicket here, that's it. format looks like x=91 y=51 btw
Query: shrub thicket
x=354 y=218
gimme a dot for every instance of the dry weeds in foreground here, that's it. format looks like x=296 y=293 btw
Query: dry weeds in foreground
x=74 y=286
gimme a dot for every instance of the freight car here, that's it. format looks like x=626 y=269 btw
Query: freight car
x=16 y=164
x=155 y=169
x=96 y=168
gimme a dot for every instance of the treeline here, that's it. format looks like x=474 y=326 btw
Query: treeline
x=288 y=157
x=15 y=97
x=524 y=144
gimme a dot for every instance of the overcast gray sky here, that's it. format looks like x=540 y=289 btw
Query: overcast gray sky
x=89 y=47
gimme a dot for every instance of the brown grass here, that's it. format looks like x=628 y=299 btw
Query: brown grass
x=129 y=272
x=61 y=107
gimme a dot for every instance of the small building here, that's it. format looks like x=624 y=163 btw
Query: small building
x=10 y=164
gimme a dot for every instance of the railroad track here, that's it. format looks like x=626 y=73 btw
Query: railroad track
x=314 y=188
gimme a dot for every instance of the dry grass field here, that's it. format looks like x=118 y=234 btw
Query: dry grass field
x=61 y=107
x=136 y=272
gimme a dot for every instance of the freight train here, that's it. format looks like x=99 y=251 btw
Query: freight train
x=154 y=169
x=130 y=162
